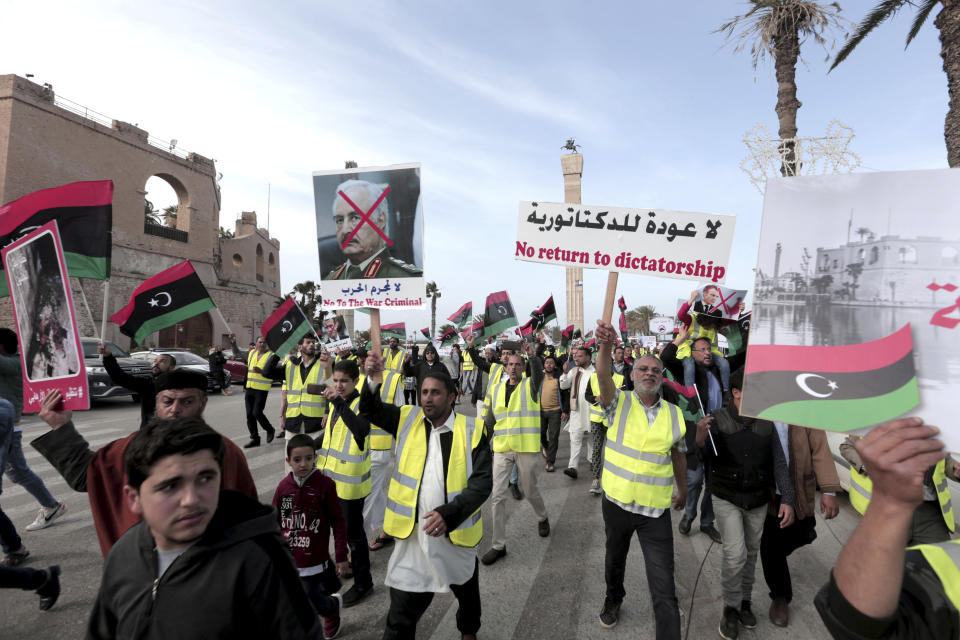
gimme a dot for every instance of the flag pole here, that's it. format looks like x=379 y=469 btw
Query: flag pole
x=222 y=319
x=610 y=297
x=86 y=305
x=106 y=307
x=703 y=410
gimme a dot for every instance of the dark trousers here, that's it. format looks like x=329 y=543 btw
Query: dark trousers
x=319 y=586
x=407 y=607
x=776 y=544
x=357 y=541
x=256 y=400
x=550 y=433
x=410 y=396
x=9 y=539
x=656 y=543
x=22 y=578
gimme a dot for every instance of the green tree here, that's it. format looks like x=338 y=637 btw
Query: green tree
x=307 y=295
x=225 y=234
x=638 y=319
x=433 y=292
x=776 y=29
x=170 y=215
x=947 y=23
x=150 y=214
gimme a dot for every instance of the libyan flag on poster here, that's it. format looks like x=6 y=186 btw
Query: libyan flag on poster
x=171 y=296
x=840 y=388
x=84 y=215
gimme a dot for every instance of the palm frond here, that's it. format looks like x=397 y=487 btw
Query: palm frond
x=921 y=17
x=876 y=17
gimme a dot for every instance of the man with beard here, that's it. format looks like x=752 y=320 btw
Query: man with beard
x=180 y=394
x=143 y=387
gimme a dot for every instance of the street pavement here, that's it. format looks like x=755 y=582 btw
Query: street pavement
x=544 y=588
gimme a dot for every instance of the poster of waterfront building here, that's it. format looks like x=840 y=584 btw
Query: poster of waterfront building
x=857 y=301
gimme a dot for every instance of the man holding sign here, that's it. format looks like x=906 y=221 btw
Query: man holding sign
x=644 y=455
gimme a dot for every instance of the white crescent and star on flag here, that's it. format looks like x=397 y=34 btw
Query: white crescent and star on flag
x=155 y=300
x=286 y=326
x=805 y=387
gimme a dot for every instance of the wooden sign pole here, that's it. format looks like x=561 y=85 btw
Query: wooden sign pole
x=375 y=344
x=610 y=297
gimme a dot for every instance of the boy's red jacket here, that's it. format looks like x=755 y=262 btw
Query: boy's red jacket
x=306 y=514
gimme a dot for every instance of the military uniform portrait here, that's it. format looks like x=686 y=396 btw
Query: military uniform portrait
x=369 y=223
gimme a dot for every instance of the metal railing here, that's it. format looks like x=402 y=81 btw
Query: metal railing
x=107 y=121
x=162 y=231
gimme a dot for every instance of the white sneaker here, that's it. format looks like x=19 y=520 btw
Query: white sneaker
x=46 y=516
x=595 y=487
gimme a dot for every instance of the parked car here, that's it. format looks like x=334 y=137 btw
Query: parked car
x=100 y=384
x=185 y=360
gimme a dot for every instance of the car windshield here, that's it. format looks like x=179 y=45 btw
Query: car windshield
x=90 y=349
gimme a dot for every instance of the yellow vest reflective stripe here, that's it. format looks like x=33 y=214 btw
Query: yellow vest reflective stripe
x=400 y=515
x=493 y=378
x=393 y=362
x=518 y=423
x=597 y=414
x=697 y=332
x=468 y=364
x=380 y=440
x=299 y=402
x=944 y=559
x=637 y=468
x=861 y=490
x=340 y=459
x=257 y=380
x=943 y=494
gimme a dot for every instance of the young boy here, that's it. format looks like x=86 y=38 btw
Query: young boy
x=307 y=506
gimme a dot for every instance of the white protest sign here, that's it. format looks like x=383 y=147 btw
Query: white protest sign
x=336 y=345
x=718 y=301
x=668 y=244
x=662 y=324
x=649 y=342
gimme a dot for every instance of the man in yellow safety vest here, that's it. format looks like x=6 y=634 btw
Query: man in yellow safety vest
x=644 y=455
x=260 y=361
x=441 y=479
x=880 y=587
x=393 y=356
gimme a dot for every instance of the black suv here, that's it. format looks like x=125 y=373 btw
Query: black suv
x=101 y=386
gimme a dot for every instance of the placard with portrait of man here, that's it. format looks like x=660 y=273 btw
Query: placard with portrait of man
x=369 y=236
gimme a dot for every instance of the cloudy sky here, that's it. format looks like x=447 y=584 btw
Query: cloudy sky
x=483 y=95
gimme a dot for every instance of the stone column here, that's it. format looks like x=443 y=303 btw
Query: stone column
x=572 y=165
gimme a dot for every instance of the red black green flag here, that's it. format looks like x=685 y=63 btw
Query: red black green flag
x=475 y=330
x=396 y=330
x=284 y=327
x=462 y=315
x=84 y=215
x=840 y=388
x=542 y=315
x=499 y=315
x=687 y=399
x=566 y=335
x=171 y=296
x=425 y=331
x=449 y=336
x=623 y=318
x=528 y=328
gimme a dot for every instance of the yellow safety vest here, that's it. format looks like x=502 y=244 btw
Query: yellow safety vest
x=299 y=402
x=257 y=380
x=944 y=559
x=597 y=414
x=861 y=490
x=518 y=423
x=468 y=364
x=637 y=468
x=380 y=440
x=393 y=362
x=696 y=333
x=400 y=516
x=340 y=459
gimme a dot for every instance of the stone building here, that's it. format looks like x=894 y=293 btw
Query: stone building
x=46 y=141
x=893 y=269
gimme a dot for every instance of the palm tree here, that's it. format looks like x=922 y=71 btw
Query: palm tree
x=946 y=22
x=307 y=295
x=854 y=270
x=150 y=214
x=863 y=231
x=638 y=319
x=777 y=29
x=433 y=292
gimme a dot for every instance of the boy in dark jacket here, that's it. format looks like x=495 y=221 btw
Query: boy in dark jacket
x=307 y=508
x=203 y=562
